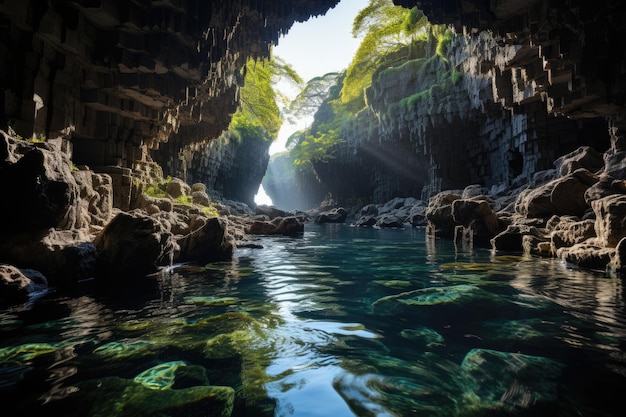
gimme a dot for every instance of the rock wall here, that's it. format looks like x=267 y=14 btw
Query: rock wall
x=229 y=168
x=433 y=124
x=118 y=77
x=569 y=54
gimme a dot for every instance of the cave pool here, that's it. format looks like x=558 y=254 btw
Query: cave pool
x=339 y=322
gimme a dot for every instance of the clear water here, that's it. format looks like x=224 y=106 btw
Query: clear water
x=339 y=322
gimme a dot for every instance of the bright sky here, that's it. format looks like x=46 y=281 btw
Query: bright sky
x=316 y=47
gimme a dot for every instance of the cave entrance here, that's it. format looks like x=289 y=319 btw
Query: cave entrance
x=318 y=46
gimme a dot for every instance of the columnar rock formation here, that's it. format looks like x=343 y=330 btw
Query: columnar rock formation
x=569 y=53
x=121 y=77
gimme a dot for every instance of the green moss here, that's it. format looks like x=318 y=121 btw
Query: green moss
x=160 y=377
x=184 y=199
x=210 y=211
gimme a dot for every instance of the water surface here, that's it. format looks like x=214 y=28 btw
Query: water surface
x=339 y=322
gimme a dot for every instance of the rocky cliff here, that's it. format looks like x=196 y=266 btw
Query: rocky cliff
x=569 y=54
x=522 y=83
x=117 y=78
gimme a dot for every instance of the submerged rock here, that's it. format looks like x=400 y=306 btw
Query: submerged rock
x=113 y=396
x=451 y=303
x=508 y=382
x=424 y=336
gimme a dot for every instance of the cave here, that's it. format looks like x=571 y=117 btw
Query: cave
x=461 y=253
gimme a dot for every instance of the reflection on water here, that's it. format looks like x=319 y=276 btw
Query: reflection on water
x=339 y=322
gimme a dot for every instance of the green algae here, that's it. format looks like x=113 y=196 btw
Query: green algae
x=394 y=284
x=423 y=335
x=23 y=354
x=124 y=349
x=210 y=301
x=114 y=396
x=508 y=381
x=160 y=377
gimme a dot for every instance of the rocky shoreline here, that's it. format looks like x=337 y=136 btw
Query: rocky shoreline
x=61 y=228
x=575 y=212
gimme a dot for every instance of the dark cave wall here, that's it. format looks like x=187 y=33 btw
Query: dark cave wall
x=229 y=168
x=119 y=77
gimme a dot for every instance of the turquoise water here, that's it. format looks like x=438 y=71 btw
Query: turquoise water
x=340 y=322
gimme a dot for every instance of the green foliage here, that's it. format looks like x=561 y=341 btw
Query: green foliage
x=317 y=148
x=444 y=36
x=157 y=189
x=386 y=29
x=311 y=97
x=259 y=114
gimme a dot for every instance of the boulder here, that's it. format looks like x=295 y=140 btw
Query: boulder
x=63 y=256
x=392 y=205
x=210 y=242
x=17 y=285
x=588 y=255
x=365 y=221
x=336 y=215
x=584 y=157
x=270 y=211
x=96 y=197
x=40 y=189
x=132 y=245
x=478 y=216
x=144 y=201
x=569 y=233
x=615 y=164
x=389 y=220
x=201 y=198
x=288 y=226
x=535 y=245
x=178 y=188
x=610 y=224
x=417 y=215
x=198 y=186
x=568 y=194
x=439 y=215
x=474 y=190
x=604 y=187
x=369 y=210
x=508 y=240
x=565 y=195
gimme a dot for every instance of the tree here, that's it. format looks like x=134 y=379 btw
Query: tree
x=312 y=95
x=385 y=29
x=259 y=112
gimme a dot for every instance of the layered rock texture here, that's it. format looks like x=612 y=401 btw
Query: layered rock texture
x=521 y=83
x=569 y=54
x=122 y=77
